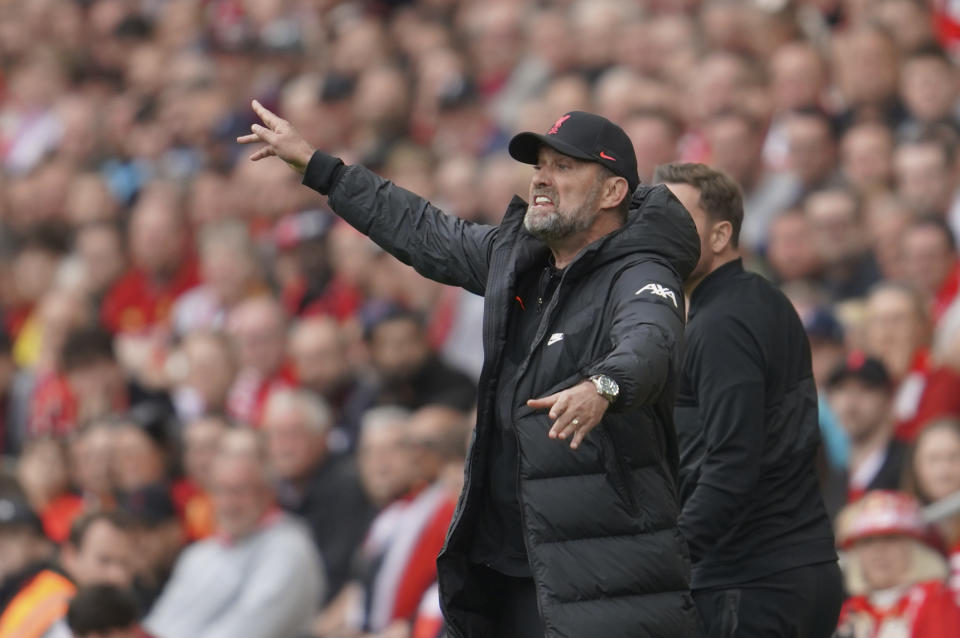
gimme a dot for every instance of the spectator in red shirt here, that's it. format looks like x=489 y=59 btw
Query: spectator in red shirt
x=404 y=455
x=896 y=330
x=930 y=263
x=933 y=474
x=43 y=475
x=896 y=578
x=259 y=331
x=162 y=266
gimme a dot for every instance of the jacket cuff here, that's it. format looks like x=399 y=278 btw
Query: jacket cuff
x=323 y=172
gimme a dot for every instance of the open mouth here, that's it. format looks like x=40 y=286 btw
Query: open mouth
x=542 y=201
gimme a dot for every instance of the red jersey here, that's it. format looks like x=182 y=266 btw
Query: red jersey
x=924 y=610
x=136 y=303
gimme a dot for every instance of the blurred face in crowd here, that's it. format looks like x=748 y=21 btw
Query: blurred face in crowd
x=89 y=200
x=884 y=560
x=866 y=155
x=928 y=258
x=20 y=546
x=43 y=472
x=894 y=327
x=862 y=409
x=210 y=369
x=936 y=460
x=654 y=141
x=384 y=462
x=157 y=546
x=227 y=271
x=100 y=250
x=928 y=87
x=835 y=224
x=258 y=327
x=104 y=556
x=33 y=273
x=240 y=491
x=735 y=147
x=924 y=177
x=201 y=440
x=319 y=355
x=887 y=221
x=296 y=442
x=790 y=247
x=797 y=76
x=428 y=437
x=865 y=66
x=398 y=347
x=564 y=196
x=810 y=148
x=90 y=455
x=156 y=234
x=137 y=460
x=99 y=386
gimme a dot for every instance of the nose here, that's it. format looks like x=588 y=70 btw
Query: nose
x=542 y=177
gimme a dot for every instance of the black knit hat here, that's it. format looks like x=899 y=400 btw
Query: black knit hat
x=584 y=136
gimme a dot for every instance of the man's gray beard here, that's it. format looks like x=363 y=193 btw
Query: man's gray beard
x=561 y=225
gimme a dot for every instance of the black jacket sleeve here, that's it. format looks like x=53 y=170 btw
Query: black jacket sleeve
x=439 y=246
x=646 y=329
x=727 y=372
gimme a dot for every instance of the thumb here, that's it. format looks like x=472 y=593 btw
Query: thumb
x=543 y=402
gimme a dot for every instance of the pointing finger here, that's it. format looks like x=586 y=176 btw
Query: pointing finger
x=269 y=118
x=248 y=139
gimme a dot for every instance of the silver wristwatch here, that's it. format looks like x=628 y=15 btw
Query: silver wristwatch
x=606 y=387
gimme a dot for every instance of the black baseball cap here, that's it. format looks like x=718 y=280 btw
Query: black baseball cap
x=869 y=371
x=150 y=505
x=584 y=136
x=15 y=512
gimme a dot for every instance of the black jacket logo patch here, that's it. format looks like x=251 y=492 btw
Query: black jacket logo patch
x=659 y=291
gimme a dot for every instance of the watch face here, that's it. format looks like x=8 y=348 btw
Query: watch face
x=607 y=387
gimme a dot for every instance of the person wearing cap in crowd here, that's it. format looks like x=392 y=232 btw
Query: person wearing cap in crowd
x=33 y=593
x=562 y=528
x=158 y=536
x=861 y=396
x=894 y=572
x=746 y=412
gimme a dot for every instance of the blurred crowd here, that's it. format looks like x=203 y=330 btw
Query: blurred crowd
x=229 y=413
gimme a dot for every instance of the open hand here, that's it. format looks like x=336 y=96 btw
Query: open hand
x=281 y=139
x=575 y=411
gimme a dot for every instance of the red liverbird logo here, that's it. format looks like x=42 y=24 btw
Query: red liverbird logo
x=556 y=125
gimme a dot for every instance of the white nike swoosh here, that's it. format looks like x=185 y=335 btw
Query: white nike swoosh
x=555 y=337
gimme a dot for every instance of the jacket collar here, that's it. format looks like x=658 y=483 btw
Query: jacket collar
x=714 y=282
x=657 y=227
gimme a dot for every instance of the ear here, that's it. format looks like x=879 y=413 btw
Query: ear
x=720 y=236
x=614 y=192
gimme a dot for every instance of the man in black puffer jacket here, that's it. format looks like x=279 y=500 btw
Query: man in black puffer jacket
x=583 y=325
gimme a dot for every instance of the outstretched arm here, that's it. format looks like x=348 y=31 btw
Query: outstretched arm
x=439 y=246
